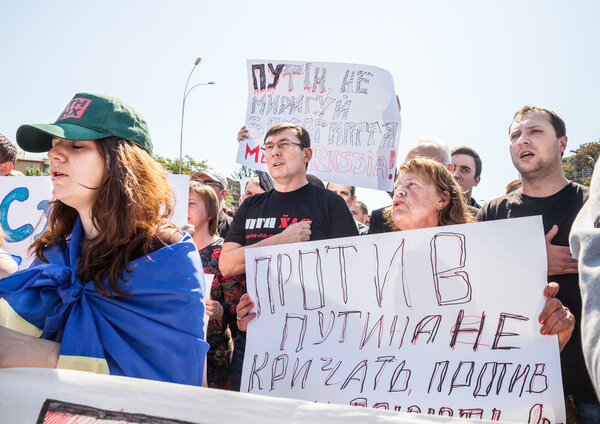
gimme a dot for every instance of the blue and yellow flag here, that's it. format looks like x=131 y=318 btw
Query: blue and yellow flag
x=156 y=332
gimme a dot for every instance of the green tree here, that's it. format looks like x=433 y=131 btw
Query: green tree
x=243 y=172
x=188 y=165
x=235 y=190
x=33 y=172
x=233 y=194
x=580 y=165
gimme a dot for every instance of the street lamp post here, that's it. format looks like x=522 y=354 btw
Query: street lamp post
x=185 y=94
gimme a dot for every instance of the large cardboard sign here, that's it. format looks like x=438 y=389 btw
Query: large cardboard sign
x=23 y=201
x=440 y=321
x=349 y=110
x=66 y=396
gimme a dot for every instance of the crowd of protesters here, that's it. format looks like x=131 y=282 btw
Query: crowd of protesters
x=110 y=250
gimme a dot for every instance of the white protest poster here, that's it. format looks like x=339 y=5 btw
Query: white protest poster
x=24 y=199
x=22 y=204
x=350 y=112
x=440 y=321
x=180 y=185
x=61 y=396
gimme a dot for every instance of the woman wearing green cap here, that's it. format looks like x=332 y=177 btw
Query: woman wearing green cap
x=116 y=288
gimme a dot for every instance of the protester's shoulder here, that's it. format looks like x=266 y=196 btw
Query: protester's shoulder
x=507 y=198
x=580 y=190
x=378 y=213
x=316 y=191
x=216 y=245
x=473 y=211
x=378 y=223
x=312 y=194
x=224 y=217
x=166 y=235
x=496 y=208
x=56 y=254
x=210 y=256
x=257 y=199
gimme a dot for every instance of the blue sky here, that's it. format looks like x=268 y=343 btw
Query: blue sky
x=460 y=68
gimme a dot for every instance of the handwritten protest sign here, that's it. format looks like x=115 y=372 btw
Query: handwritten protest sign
x=24 y=199
x=349 y=110
x=440 y=321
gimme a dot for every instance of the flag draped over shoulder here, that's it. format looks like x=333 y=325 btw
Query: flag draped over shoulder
x=156 y=332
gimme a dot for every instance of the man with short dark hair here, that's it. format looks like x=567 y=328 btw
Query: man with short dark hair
x=294 y=211
x=467 y=171
x=8 y=156
x=218 y=183
x=537 y=142
x=360 y=212
x=347 y=193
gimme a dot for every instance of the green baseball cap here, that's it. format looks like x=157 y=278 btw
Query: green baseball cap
x=88 y=117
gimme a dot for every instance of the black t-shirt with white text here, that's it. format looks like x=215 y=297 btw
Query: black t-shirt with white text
x=266 y=214
x=558 y=209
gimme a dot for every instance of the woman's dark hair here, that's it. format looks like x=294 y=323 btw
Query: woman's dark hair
x=131 y=212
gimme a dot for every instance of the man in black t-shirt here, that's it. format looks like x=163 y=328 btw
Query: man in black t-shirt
x=537 y=142
x=318 y=213
x=467 y=171
x=294 y=211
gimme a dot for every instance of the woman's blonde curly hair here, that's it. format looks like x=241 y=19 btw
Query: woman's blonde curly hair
x=456 y=212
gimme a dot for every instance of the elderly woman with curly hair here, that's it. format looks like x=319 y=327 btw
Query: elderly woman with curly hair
x=427 y=195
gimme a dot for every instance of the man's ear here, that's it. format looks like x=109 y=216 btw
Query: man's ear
x=5 y=168
x=562 y=144
x=477 y=181
x=308 y=154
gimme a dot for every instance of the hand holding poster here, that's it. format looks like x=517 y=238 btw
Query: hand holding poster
x=350 y=112
x=440 y=321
